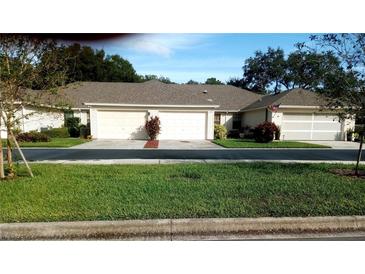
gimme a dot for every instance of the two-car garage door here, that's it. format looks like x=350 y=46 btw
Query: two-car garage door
x=310 y=126
x=130 y=125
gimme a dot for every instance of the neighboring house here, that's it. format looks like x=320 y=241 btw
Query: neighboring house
x=187 y=112
x=30 y=118
x=299 y=115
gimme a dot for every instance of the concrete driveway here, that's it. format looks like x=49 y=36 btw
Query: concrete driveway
x=139 y=144
x=112 y=144
x=336 y=144
x=188 y=144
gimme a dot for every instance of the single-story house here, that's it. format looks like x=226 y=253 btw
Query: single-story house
x=299 y=114
x=188 y=112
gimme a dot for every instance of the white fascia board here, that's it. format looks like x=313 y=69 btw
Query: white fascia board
x=80 y=108
x=148 y=105
x=284 y=106
x=304 y=107
x=227 y=111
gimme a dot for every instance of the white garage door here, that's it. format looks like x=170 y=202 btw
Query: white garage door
x=310 y=126
x=183 y=125
x=121 y=124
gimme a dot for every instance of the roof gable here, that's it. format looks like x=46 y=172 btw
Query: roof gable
x=295 y=97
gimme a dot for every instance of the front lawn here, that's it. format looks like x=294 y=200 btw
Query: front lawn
x=55 y=142
x=112 y=192
x=249 y=143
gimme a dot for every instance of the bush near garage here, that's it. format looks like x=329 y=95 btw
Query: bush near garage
x=84 y=130
x=61 y=132
x=153 y=127
x=73 y=125
x=246 y=132
x=32 y=136
x=265 y=132
x=220 y=132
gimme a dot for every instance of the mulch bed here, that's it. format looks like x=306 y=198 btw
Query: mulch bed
x=151 y=144
x=348 y=173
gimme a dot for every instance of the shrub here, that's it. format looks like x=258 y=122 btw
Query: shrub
x=220 y=132
x=72 y=122
x=153 y=127
x=264 y=133
x=73 y=125
x=32 y=136
x=233 y=133
x=247 y=132
x=84 y=130
x=61 y=132
x=74 y=132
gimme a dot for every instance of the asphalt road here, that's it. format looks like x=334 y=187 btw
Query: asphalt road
x=241 y=154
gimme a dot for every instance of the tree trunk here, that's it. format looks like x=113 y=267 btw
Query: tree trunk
x=9 y=155
x=2 y=173
x=359 y=154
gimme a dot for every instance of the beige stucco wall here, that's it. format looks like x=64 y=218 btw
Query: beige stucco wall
x=227 y=120
x=83 y=115
x=254 y=117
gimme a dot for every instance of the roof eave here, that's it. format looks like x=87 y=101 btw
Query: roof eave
x=90 y=104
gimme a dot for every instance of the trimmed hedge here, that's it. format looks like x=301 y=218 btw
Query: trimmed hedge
x=32 y=136
x=61 y=132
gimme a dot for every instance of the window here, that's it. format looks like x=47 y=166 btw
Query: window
x=217 y=119
x=236 y=121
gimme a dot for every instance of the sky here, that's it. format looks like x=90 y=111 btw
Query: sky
x=182 y=57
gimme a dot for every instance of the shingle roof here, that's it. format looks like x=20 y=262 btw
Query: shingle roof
x=154 y=92
x=294 y=97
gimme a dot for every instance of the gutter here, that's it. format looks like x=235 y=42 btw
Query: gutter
x=148 y=105
x=283 y=106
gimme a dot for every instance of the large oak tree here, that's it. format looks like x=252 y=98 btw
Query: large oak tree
x=272 y=71
x=346 y=92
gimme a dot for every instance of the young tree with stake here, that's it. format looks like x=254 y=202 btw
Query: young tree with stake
x=25 y=62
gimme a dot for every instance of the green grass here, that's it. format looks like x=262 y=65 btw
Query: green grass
x=249 y=143
x=110 y=192
x=55 y=142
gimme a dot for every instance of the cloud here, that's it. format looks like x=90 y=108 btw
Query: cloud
x=161 y=44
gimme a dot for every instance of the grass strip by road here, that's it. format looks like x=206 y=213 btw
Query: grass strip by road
x=249 y=143
x=55 y=142
x=116 y=192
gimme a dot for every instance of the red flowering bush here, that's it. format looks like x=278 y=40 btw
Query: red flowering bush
x=265 y=132
x=153 y=127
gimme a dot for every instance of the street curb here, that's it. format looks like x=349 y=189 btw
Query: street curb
x=180 y=229
x=185 y=161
